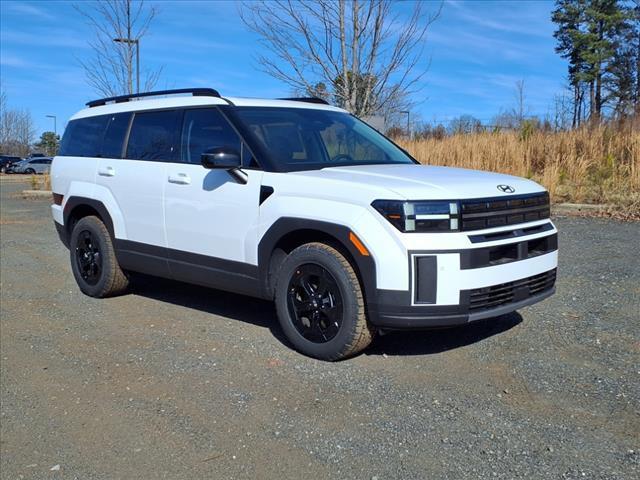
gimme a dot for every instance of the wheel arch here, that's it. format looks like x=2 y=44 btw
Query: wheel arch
x=289 y=233
x=76 y=208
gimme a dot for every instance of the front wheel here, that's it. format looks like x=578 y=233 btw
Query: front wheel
x=93 y=259
x=320 y=303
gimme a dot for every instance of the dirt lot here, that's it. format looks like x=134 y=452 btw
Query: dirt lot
x=175 y=381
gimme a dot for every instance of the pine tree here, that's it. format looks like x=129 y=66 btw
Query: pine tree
x=569 y=16
x=624 y=81
x=48 y=143
x=593 y=35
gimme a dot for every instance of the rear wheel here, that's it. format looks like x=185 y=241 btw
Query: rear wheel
x=93 y=259
x=320 y=304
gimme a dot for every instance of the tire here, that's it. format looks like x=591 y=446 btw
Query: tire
x=93 y=260
x=320 y=304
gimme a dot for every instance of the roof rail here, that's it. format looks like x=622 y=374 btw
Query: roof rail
x=307 y=100
x=196 y=92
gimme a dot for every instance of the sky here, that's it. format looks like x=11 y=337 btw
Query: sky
x=475 y=52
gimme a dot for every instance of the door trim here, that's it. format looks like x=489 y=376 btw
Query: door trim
x=213 y=272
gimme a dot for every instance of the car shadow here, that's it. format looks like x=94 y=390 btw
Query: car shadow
x=262 y=313
x=427 y=342
x=255 y=311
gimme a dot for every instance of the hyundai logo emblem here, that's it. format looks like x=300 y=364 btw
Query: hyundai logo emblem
x=506 y=188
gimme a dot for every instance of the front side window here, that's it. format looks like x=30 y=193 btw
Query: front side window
x=153 y=136
x=204 y=129
x=302 y=139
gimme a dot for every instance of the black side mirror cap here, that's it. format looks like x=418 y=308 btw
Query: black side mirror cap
x=222 y=157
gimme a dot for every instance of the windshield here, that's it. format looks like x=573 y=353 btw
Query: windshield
x=304 y=139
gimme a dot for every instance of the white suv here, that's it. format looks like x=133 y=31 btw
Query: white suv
x=299 y=202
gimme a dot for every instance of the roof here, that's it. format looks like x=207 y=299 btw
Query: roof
x=197 y=101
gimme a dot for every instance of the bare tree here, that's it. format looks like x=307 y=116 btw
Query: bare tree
x=369 y=58
x=17 y=130
x=118 y=25
x=561 y=113
x=520 y=110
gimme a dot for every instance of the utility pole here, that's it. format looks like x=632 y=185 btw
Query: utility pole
x=136 y=42
x=408 y=122
x=55 y=123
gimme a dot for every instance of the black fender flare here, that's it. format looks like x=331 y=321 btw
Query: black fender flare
x=74 y=202
x=365 y=264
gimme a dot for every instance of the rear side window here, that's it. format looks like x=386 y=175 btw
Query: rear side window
x=114 y=137
x=204 y=129
x=83 y=137
x=153 y=136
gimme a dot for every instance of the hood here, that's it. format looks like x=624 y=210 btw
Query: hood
x=416 y=182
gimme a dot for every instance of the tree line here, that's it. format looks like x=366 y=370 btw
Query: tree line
x=18 y=132
x=367 y=56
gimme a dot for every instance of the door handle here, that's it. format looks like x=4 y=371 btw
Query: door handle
x=180 y=179
x=106 y=172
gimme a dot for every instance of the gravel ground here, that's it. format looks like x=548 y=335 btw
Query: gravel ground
x=176 y=381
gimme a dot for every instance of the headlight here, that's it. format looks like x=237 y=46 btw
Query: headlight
x=419 y=216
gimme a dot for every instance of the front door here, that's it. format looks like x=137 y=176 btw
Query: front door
x=210 y=216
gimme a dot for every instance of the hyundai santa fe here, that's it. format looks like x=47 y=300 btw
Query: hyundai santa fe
x=299 y=202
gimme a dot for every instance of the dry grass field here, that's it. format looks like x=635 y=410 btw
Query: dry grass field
x=589 y=165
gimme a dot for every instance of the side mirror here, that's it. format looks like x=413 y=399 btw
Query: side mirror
x=222 y=157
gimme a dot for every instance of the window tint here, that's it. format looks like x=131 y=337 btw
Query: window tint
x=204 y=129
x=342 y=142
x=114 y=136
x=153 y=135
x=83 y=137
x=300 y=138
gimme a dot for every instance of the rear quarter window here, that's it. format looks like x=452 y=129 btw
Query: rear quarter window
x=114 y=136
x=83 y=137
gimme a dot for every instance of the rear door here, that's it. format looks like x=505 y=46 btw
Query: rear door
x=211 y=218
x=135 y=177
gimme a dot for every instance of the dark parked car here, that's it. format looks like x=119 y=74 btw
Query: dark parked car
x=6 y=161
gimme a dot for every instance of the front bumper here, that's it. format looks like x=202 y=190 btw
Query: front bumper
x=394 y=310
x=454 y=287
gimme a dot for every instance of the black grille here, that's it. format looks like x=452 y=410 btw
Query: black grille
x=511 y=252
x=496 y=295
x=497 y=212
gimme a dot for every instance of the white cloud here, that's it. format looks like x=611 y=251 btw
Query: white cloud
x=9 y=60
x=29 y=9
x=42 y=39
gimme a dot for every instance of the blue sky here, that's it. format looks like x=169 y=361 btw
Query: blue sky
x=475 y=53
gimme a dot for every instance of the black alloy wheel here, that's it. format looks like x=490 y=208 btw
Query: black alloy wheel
x=93 y=259
x=315 y=303
x=89 y=257
x=320 y=303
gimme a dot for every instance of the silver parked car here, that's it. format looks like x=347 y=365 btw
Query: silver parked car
x=33 y=165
